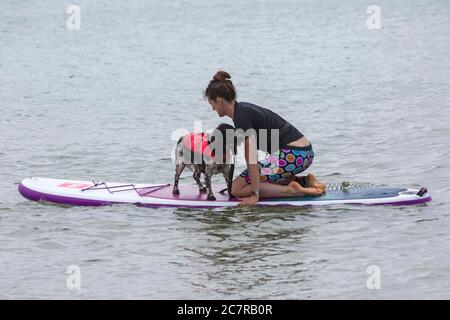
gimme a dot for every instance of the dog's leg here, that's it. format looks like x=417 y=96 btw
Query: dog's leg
x=229 y=175
x=226 y=175
x=179 y=169
x=210 y=195
x=197 y=174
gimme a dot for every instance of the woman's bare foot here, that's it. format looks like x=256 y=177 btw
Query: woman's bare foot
x=295 y=189
x=312 y=181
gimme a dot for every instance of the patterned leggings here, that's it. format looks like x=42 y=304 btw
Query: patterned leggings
x=283 y=163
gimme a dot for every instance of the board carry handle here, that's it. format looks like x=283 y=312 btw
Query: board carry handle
x=422 y=191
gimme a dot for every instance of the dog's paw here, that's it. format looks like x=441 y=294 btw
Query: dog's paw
x=210 y=197
x=175 y=191
x=203 y=190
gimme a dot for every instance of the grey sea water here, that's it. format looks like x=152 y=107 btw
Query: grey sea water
x=102 y=103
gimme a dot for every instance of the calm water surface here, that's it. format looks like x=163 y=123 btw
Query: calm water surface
x=103 y=102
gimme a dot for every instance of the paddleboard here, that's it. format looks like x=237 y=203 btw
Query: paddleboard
x=92 y=193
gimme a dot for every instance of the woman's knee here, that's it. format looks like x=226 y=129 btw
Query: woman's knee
x=237 y=187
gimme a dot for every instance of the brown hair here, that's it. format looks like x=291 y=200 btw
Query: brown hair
x=221 y=87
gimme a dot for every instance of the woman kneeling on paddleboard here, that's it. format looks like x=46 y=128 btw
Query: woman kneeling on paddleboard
x=274 y=176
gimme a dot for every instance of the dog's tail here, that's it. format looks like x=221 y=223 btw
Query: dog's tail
x=231 y=173
x=230 y=179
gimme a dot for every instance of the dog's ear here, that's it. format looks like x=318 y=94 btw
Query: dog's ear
x=223 y=128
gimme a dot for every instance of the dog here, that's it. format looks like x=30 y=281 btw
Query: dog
x=194 y=151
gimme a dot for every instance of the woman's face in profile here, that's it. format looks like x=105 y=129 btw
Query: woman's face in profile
x=218 y=106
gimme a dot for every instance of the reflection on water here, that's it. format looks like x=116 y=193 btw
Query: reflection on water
x=243 y=249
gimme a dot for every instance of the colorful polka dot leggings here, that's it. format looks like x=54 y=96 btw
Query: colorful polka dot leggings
x=283 y=163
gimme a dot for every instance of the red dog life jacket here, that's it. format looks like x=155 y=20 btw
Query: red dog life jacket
x=198 y=143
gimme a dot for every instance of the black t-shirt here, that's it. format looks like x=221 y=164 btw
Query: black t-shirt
x=250 y=116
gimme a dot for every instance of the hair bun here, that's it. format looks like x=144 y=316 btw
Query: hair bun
x=221 y=76
x=220 y=87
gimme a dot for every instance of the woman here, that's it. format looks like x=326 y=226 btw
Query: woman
x=274 y=176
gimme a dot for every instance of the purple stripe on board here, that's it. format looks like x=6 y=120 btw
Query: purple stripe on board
x=404 y=202
x=284 y=205
x=41 y=196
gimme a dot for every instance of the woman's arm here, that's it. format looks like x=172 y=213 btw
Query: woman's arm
x=251 y=157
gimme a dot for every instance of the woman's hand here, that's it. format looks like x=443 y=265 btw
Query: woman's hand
x=251 y=157
x=249 y=201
